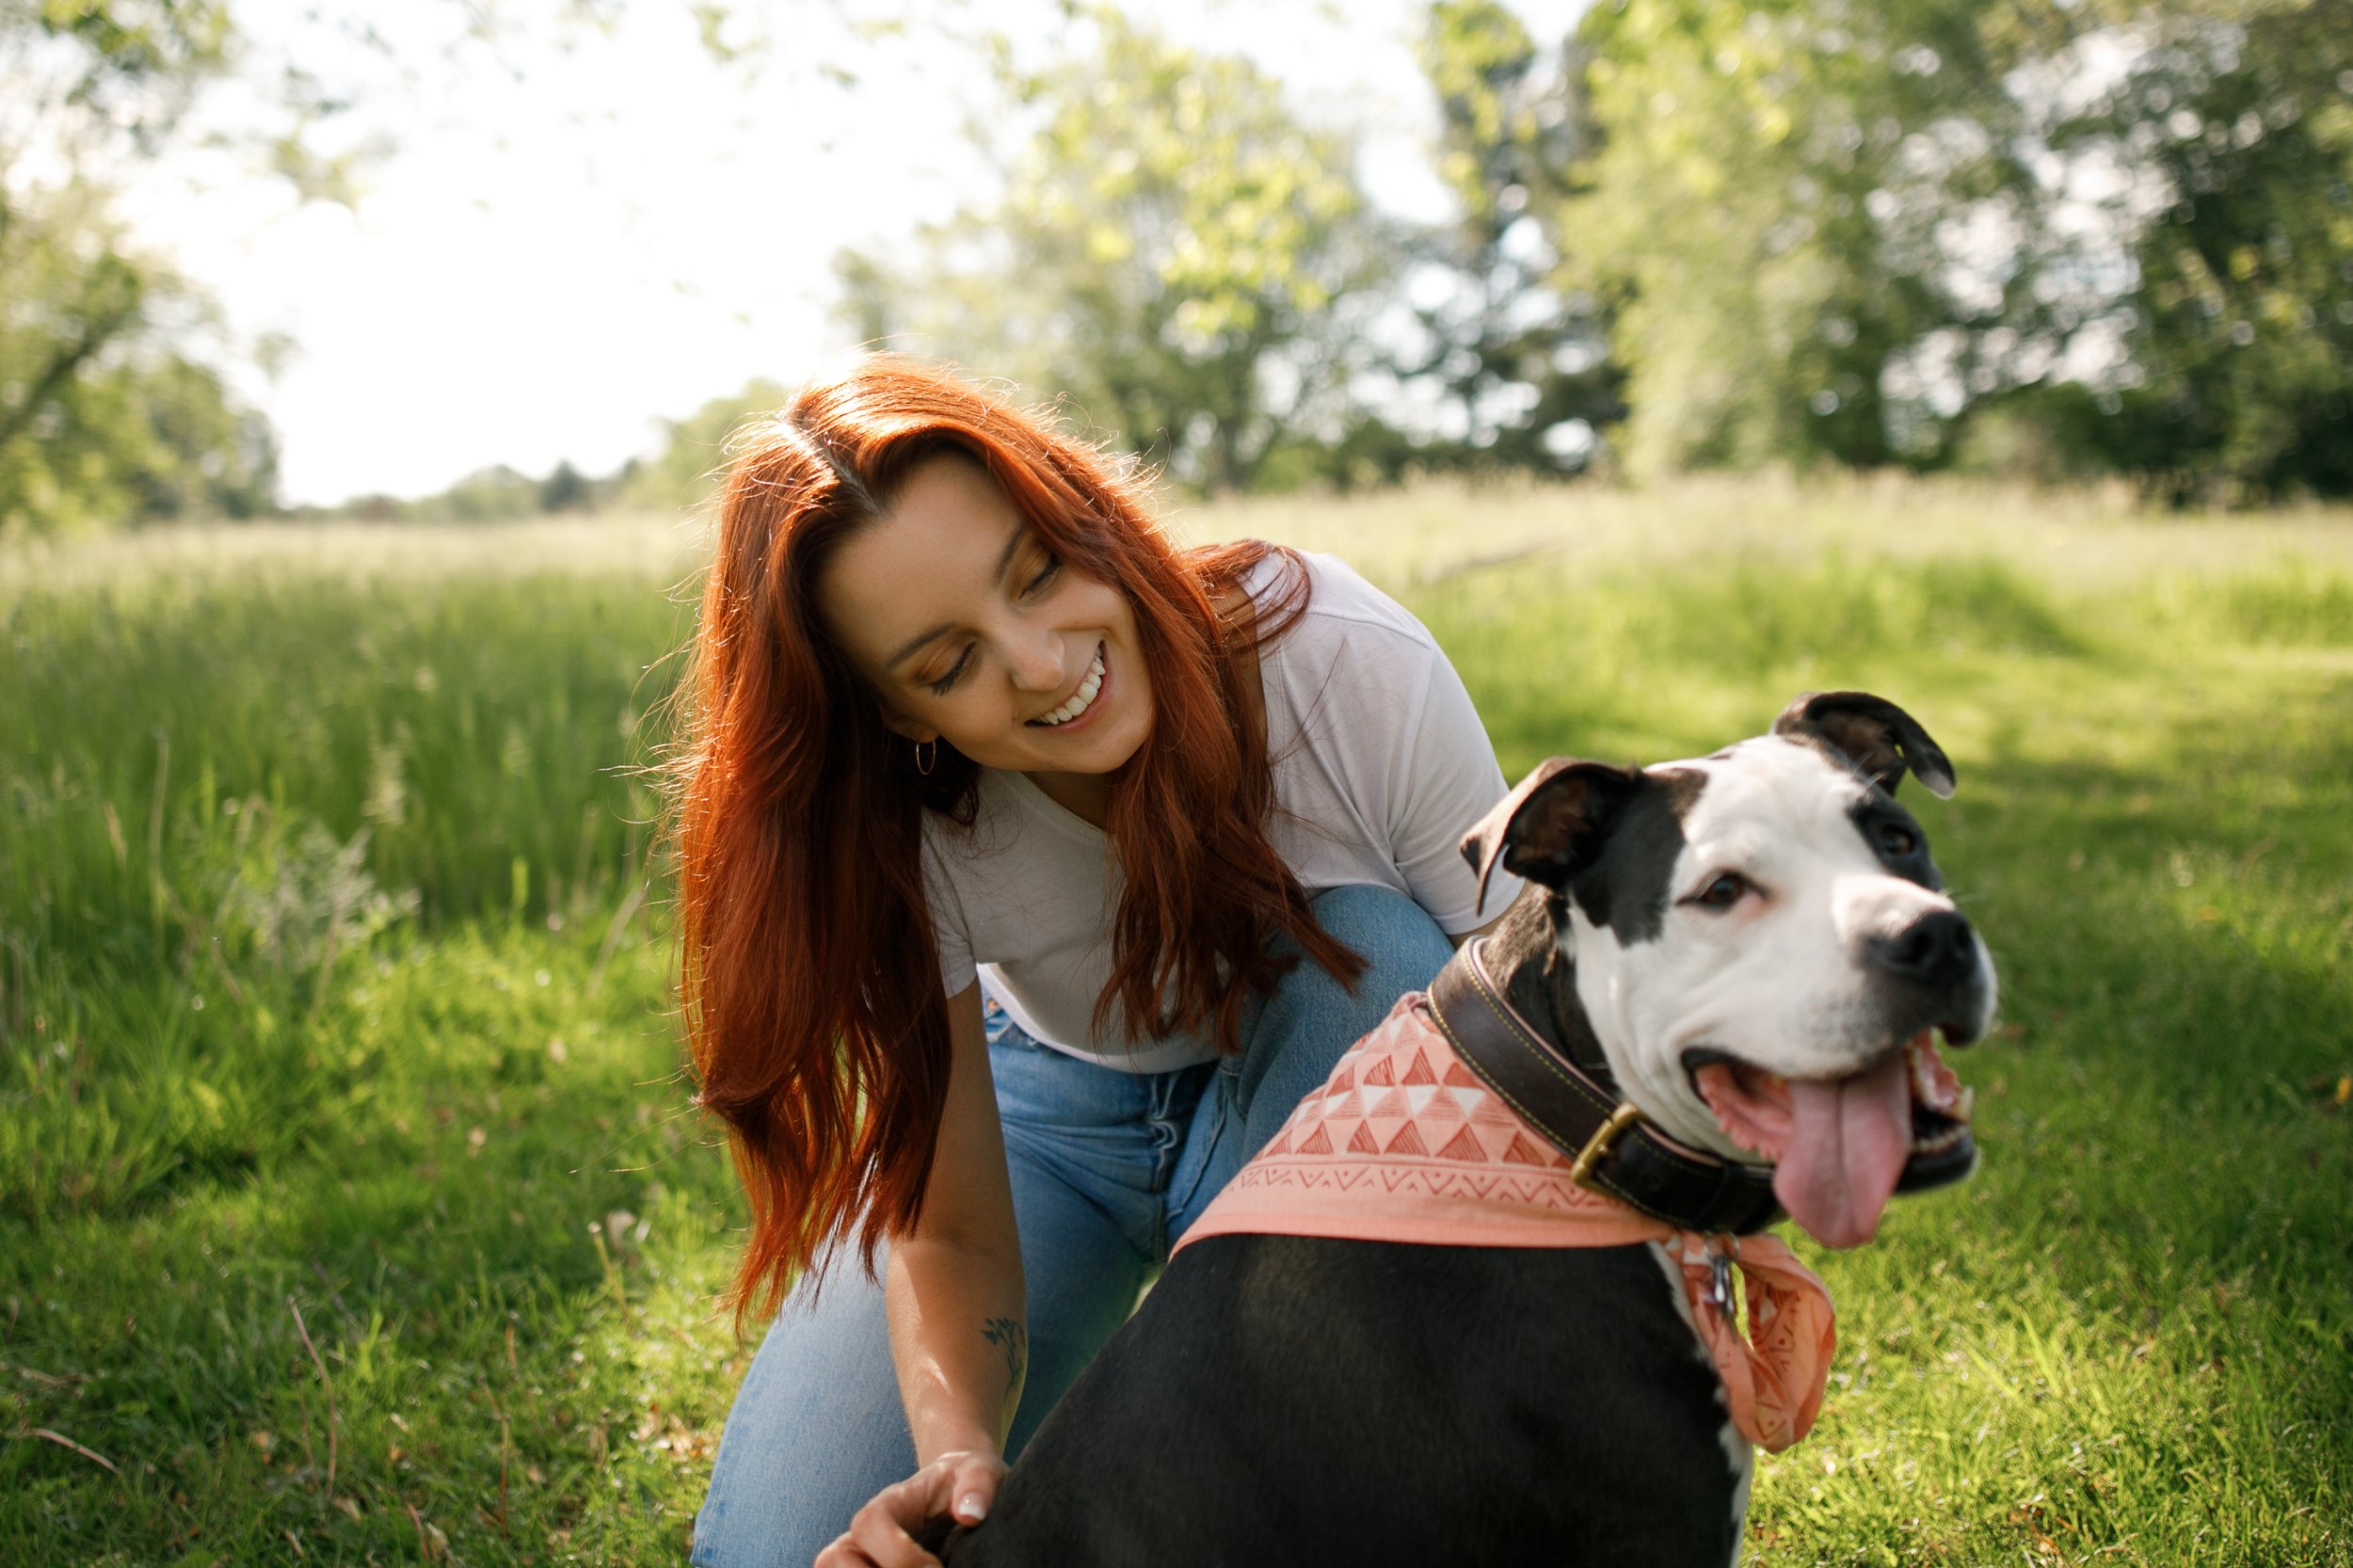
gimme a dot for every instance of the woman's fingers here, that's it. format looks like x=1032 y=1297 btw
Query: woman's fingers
x=884 y=1530
x=882 y=1534
x=840 y=1552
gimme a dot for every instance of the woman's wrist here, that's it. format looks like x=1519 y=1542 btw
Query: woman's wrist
x=950 y=1444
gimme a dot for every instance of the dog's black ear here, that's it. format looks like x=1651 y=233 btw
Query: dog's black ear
x=1874 y=734
x=1553 y=824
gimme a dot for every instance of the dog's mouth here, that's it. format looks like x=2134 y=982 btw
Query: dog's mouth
x=1841 y=1148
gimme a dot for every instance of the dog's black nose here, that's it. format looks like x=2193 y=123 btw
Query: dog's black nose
x=1935 y=950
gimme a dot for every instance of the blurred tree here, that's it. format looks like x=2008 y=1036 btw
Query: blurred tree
x=682 y=477
x=493 y=494
x=1174 y=254
x=2066 y=236
x=1519 y=367
x=567 y=489
x=2232 y=133
x=1821 y=220
x=104 y=416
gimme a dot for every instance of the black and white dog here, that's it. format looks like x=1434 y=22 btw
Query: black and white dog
x=1753 y=948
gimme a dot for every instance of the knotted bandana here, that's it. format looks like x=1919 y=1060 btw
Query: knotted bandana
x=1404 y=1144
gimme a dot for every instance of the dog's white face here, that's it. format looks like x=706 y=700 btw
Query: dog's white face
x=1767 y=955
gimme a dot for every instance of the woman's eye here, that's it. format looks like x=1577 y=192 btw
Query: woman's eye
x=1044 y=575
x=1724 y=892
x=955 y=672
x=1898 y=841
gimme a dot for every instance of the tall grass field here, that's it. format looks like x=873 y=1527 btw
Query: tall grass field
x=352 y=1207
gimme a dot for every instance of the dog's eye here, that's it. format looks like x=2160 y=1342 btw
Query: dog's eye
x=1897 y=839
x=1724 y=892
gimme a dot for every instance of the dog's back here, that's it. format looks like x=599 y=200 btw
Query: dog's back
x=1288 y=1400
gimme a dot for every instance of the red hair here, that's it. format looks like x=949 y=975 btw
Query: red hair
x=809 y=975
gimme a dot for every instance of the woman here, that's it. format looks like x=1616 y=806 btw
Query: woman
x=1030 y=870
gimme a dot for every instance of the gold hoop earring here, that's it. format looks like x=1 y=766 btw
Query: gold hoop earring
x=926 y=756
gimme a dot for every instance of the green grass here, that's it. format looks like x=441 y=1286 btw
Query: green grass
x=328 y=983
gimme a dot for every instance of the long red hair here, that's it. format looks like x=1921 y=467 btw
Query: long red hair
x=809 y=975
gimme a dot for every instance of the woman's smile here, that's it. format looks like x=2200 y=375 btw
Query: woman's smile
x=1081 y=705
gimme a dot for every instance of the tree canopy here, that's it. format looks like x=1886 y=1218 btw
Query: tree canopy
x=1849 y=233
x=1175 y=253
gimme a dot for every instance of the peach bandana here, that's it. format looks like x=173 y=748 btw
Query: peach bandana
x=1403 y=1143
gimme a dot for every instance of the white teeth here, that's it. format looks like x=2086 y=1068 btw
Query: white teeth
x=1082 y=700
x=1948 y=1139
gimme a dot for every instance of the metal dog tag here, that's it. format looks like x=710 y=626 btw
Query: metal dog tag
x=1720 y=1282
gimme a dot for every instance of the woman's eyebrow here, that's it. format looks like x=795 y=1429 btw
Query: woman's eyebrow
x=1005 y=559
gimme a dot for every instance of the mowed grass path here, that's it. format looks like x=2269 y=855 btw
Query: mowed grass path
x=330 y=986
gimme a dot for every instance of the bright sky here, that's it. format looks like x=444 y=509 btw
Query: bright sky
x=574 y=241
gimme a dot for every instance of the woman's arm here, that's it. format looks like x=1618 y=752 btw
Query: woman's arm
x=958 y=1327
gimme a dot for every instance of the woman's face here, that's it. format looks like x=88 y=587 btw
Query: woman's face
x=974 y=633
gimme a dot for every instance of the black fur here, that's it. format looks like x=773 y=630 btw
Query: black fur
x=1886 y=828
x=1625 y=886
x=1295 y=1400
x=1870 y=734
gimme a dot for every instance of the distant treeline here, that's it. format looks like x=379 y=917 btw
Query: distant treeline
x=676 y=478
x=2056 y=239
x=494 y=494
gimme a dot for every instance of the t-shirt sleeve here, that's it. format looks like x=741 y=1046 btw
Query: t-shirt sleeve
x=1448 y=780
x=949 y=931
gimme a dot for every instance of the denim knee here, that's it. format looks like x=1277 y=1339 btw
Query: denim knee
x=1292 y=1038
x=1391 y=932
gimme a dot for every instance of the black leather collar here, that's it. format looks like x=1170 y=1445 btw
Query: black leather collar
x=1615 y=1150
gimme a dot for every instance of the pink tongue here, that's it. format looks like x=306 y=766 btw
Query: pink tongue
x=1847 y=1145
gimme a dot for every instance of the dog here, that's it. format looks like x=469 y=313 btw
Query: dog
x=1748 y=956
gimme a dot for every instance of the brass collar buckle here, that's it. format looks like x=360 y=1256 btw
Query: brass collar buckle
x=1625 y=1116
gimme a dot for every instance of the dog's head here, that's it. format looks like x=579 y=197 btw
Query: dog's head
x=1766 y=951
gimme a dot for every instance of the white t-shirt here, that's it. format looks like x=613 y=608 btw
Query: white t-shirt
x=1381 y=767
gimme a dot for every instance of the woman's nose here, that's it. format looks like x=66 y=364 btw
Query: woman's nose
x=1037 y=662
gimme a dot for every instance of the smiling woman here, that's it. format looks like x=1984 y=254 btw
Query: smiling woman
x=1029 y=870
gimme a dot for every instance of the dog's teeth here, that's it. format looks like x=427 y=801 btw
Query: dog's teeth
x=1938 y=1143
x=1964 y=1104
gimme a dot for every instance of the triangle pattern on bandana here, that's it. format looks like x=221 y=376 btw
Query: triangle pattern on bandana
x=1465 y=1147
x=1519 y=1151
x=1491 y=1111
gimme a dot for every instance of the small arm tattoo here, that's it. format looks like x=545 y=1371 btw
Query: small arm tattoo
x=1010 y=1337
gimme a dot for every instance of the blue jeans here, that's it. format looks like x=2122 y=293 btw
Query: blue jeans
x=1108 y=1169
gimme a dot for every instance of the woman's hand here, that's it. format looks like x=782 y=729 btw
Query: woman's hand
x=955 y=1489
